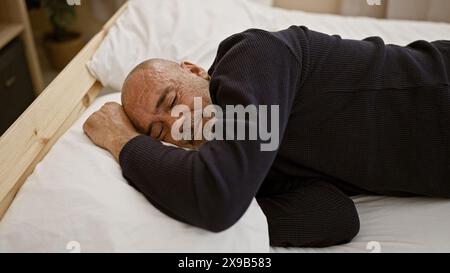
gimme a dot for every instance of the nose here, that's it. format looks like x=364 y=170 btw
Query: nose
x=180 y=131
x=168 y=120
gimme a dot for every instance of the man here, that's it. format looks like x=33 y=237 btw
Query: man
x=355 y=117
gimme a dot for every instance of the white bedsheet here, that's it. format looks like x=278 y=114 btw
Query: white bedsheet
x=396 y=225
x=78 y=198
x=412 y=224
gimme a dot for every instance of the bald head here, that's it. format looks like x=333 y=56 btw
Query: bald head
x=146 y=77
x=154 y=67
x=154 y=87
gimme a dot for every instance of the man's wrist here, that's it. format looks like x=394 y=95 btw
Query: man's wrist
x=119 y=142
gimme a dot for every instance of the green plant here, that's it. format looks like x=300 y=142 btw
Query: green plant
x=61 y=16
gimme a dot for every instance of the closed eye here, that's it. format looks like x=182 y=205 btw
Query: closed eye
x=155 y=130
x=160 y=133
x=172 y=105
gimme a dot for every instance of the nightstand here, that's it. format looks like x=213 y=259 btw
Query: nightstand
x=20 y=73
x=16 y=88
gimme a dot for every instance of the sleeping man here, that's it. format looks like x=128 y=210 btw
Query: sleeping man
x=352 y=117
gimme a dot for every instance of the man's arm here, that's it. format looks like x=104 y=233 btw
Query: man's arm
x=110 y=128
x=213 y=187
x=311 y=213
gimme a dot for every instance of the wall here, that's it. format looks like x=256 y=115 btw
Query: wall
x=86 y=23
x=437 y=10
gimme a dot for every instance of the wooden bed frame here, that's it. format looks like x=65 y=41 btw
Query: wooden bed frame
x=30 y=138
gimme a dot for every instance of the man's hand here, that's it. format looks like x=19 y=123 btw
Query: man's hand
x=110 y=128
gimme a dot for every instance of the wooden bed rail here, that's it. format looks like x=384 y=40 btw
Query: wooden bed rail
x=30 y=138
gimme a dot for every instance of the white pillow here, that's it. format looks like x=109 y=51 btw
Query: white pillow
x=77 y=193
x=173 y=29
x=192 y=30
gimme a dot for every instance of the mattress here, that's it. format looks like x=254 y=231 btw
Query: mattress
x=387 y=224
x=77 y=197
x=392 y=225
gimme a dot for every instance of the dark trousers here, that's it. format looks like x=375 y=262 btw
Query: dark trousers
x=308 y=214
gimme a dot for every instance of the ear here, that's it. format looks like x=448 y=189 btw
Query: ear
x=195 y=69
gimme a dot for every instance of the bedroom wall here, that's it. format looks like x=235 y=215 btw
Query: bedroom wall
x=346 y=7
x=86 y=22
x=89 y=22
x=361 y=8
x=436 y=10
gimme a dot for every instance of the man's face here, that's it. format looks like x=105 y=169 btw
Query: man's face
x=150 y=94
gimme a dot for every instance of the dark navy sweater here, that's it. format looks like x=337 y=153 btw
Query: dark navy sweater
x=361 y=115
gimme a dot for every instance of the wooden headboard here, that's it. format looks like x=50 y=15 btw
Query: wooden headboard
x=30 y=138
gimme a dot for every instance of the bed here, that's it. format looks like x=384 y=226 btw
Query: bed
x=38 y=150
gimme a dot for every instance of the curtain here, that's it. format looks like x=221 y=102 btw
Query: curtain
x=432 y=10
x=361 y=8
x=104 y=9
